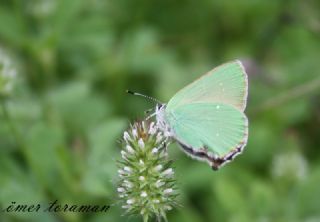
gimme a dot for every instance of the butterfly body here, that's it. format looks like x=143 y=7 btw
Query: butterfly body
x=206 y=117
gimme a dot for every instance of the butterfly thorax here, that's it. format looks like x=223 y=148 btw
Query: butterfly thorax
x=160 y=113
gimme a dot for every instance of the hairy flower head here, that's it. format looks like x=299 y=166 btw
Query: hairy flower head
x=147 y=184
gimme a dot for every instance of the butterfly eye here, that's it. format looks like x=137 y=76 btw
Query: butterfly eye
x=161 y=106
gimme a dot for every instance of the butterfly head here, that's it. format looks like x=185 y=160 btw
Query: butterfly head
x=160 y=107
x=159 y=113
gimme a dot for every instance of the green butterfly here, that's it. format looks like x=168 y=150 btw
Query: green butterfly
x=206 y=117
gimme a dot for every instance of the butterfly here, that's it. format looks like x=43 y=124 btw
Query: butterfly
x=207 y=116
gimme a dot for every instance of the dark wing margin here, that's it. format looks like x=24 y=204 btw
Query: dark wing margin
x=214 y=161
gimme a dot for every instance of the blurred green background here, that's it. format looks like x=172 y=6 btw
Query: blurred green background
x=65 y=66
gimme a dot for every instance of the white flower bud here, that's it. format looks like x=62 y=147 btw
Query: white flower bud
x=121 y=172
x=123 y=154
x=143 y=194
x=159 y=183
x=156 y=201
x=120 y=189
x=128 y=184
x=128 y=169
x=135 y=133
x=141 y=143
x=167 y=172
x=154 y=150
x=168 y=191
x=126 y=136
x=158 y=167
x=143 y=126
x=130 y=149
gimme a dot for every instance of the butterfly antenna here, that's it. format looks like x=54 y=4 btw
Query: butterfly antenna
x=142 y=95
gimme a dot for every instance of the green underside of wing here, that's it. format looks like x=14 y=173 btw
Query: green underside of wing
x=224 y=84
x=216 y=126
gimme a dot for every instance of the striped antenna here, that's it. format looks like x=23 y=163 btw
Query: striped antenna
x=142 y=95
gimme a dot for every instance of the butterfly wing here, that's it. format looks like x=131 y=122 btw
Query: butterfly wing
x=226 y=84
x=210 y=131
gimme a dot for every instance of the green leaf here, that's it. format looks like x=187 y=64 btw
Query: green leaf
x=78 y=107
x=41 y=149
x=101 y=162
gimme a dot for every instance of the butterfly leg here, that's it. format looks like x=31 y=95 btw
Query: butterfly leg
x=165 y=144
x=148 y=111
x=150 y=116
